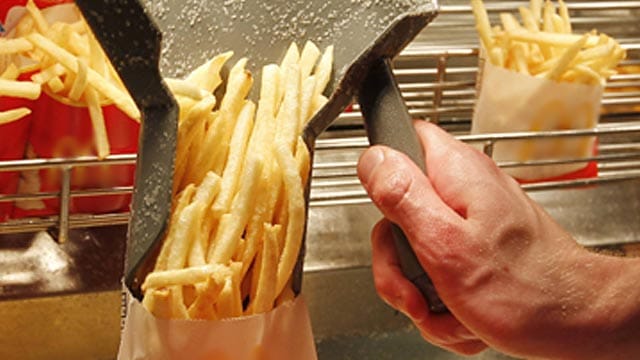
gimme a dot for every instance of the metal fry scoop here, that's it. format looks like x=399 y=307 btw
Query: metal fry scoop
x=365 y=34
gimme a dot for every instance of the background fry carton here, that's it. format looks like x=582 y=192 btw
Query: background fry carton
x=513 y=102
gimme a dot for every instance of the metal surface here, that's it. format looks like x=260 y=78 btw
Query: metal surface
x=361 y=31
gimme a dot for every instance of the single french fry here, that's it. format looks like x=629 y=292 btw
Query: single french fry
x=558 y=24
x=47 y=74
x=24 y=27
x=265 y=294
x=186 y=226
x=288 y=118
x=229 y=303
x=547 y=16
x=20 y=89
x=224 y=305
x=596 y=52
x=238 y=148
x=323 y=71
x=238 y=87
x=259 y=216
x=122 y=100
x=186 y=276
x=203 y=307
x=10 y=73
x=509 y=22
x=318 y=102
x=236 y=278
x=590 y=76
x=80 y=81
x=535 y=6
x=69 y=79
x=185 y=88
x=497 y=56
x=13 y=115
x=194 y=165
x=275 y=193
x=529 y=20
x=227 y=239
x=97 y=57
x=292 y=56
x=286 y=295
x=78 y=44
x=158 y=303
x=97 y=122
x=55 y=85
x=269 y=91
x=207 y=75
x=564 y=13
x=208 y=189
x=484 y=29
x=39 y=20
x=187 y=131
x=184 y=198
x=178 y=308
x=205 y=194
x=303 y=159
x=296 y=210
x=306 y=99
x=308 y=57
x=267 y=193
x=566 y=58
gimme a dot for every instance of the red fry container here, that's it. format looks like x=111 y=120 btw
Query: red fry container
x=61 y=129
x=13 y=140
x=6 y=5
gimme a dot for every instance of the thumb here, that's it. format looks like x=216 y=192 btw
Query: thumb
x=405 y=196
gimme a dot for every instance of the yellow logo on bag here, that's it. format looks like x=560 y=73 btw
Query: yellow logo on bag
x=556 y=115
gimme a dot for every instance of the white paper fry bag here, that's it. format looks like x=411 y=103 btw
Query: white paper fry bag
x=283 y=333
x=513 y=102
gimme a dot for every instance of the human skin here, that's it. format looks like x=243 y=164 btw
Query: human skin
x=510 y=276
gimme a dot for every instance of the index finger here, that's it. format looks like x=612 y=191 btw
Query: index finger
x=467 y=180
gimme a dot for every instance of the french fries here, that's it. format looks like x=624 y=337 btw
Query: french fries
x=544 y=45
x=64 y=60
x=13 y=115
x=238 y=220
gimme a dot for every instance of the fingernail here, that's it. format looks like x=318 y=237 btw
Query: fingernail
x=368 y=163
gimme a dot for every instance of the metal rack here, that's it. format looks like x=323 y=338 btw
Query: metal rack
x=437 y=77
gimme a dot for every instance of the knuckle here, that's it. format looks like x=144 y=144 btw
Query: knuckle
x=391 y=190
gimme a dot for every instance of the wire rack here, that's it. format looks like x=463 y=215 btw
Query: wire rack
x=437 y=75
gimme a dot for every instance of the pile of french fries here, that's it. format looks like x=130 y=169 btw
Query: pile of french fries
x=66 y=61
x=238 y=218
x=543 y=45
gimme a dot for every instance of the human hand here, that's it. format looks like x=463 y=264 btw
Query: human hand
x=511 y=277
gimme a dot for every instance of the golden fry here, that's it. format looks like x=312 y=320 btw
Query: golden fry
x=13 y=115
x=20 y=89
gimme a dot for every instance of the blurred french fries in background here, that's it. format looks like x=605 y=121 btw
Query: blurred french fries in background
x=238 y=218
x=64 y=60
x=543 y=44
x=13 y=115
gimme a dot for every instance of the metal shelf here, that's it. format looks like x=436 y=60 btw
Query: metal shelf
x=437 y=77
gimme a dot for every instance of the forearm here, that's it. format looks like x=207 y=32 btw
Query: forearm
x=620 y=300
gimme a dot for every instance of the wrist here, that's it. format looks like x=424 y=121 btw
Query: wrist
x=615 y=311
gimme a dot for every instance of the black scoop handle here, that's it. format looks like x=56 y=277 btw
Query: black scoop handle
x=388 y=122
